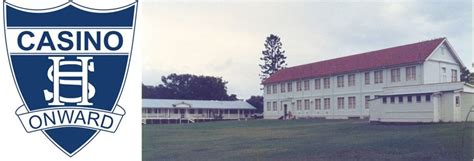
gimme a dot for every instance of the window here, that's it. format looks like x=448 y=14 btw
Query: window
x=269 y=106
x=384 y=100
x=268 y=89
x=306 y=85
x=317 y=84
x=327 y=103
x=443 y=69
x=290 y=86
x=191 y=111
x=327 y=84
x=275 y=106
x=395 y=75
x=418 y=99
x=352 y=103
x=199 y=111
x=340 y=81
x=378 y=77
x=367 y=77
x=282 y=88
x=458 y=101
x=317 y=104
x=298 y=105
x=306 y=104
x=367 y=99
x=340 y=103
x=392 y=100
x=428 y=98
x=410 y=73
x=274 y=88
x=409 y=100
x=351 y=80
x=298 y=86
x=454 y=75
x=400 y=99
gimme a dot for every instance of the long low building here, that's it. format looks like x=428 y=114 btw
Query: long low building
x=441 y=102
x=354 y=86
x=178 y=111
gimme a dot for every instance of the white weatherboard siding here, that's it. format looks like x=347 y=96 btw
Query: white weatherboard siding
x=436 y=70
x=440 y=108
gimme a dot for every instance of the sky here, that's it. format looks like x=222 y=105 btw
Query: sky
x=225 y=38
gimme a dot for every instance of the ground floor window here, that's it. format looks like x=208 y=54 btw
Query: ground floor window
x=352 y=102
x=275 y=108
x=367 y=99
x=327 y=103
x=306 y=104
x=458 y=101
x=269 y=106
x=298 y=104
x=340 y=103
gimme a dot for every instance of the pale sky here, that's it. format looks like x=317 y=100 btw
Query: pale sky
x=225 y=38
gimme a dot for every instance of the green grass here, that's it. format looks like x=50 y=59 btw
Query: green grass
x=307 y=140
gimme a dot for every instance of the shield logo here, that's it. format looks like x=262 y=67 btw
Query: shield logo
x=69 y=64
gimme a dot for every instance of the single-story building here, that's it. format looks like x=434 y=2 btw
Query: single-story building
x=190 y=111
x=439 y=102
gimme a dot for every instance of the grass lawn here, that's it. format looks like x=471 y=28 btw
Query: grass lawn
x=307 y=140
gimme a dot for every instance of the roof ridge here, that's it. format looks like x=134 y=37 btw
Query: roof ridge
x=368 y=52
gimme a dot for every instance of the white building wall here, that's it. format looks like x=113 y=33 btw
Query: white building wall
x=359 y=90
x=433 y=67
x=402 y=111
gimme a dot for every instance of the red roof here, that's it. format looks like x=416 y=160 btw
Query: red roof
x=400 y=55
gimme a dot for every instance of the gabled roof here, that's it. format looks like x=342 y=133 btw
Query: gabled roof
x=195 y=104
x=400 y=55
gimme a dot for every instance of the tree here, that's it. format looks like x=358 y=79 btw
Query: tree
x=273 y=57
x=257 y=102
x=465 y=75
x=187 y=86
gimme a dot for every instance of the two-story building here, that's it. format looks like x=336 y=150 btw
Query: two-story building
x=349 y=86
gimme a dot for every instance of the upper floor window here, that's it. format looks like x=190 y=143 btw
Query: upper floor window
x=268 y=89
x=327 y=83
x=340 y=81
x=410 y=73
x=298 y=86
x=351 y=80
x=282 y=88
x=409 y=100
x=327 y=103
x=317 y=83
x=298 y=104
x=384 y=100
x=306 y=104
x=367 y=77
x=317 y=104
x=306 y=85
x=352 y=102
x=274 y=88
x=400 y=99
x=290 y=86
x=378 y=77
x=454 y=75
x=392 y=99
x=428 y=98
x=395 y=75
x=340 y=103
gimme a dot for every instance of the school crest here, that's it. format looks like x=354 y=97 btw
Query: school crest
x=69 y=64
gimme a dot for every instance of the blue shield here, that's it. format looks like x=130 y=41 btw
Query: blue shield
x=69 y=64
